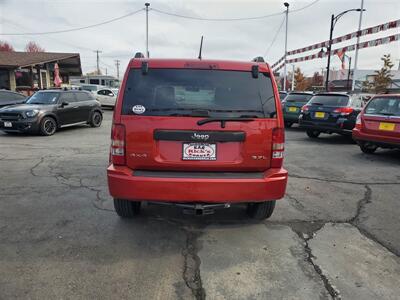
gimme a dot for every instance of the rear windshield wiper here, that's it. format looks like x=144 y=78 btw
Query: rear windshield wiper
x=386 y=114
x=316 y=103
x=223 y=120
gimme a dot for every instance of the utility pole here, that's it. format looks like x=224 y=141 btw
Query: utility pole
x=117 y=63
x=285 y=70
x=97 y=59
x=292 y=78
x=147 y=29
x=356 y=54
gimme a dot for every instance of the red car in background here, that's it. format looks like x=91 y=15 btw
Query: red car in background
x=378 y=125
x=199 y=134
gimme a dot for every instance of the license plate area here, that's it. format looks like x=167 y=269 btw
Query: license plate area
x=7 y=124
x=386 y=126
x=199 y=151
x=320 y=115
x=292 y=109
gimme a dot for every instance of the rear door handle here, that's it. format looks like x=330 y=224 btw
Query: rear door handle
x=75 y=107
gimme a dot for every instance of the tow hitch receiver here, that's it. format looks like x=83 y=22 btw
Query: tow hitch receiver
x=197 y=209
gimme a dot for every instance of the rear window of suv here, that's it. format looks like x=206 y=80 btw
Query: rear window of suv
x=330 y=100
x=176 y=92
x=298 y=98
x=387 y=106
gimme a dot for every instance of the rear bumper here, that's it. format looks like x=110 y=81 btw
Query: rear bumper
x=288 y=117
x=123 y=184
x=379 y=140
x=342 y=127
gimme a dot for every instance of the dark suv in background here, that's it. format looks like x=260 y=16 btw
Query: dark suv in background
x=292 y=105
x=46 y=111
x=330 y=113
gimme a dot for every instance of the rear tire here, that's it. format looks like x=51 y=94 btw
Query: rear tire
x=262 y=210
x=96 y=119
x=313 y=133
x=368 y=148
x=288 y=124
x=48 y=126
x=126 y=208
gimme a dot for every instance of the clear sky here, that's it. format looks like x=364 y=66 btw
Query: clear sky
x=179 y=37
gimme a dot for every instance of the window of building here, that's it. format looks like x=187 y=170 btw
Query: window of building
x=94 y=81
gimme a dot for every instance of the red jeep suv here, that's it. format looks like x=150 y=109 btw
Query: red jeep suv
x=199 y=134
x=378 y=125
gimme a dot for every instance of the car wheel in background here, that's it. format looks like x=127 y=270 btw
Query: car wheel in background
x=96 y=119
x=48 y=126
x=261 y=210
x=313 y=133
x=126 y=208
x=288 y=124
x=367 y=147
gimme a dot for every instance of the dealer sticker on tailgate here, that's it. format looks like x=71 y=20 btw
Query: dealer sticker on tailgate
x=199 y=151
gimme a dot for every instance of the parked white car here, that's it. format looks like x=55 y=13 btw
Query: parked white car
x=107 y=96
x=94 y=88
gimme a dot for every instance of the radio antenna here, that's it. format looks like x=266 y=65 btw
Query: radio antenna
x=201 y=47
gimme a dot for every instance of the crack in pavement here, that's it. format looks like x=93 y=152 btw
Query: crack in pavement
x=343 y=181
x=191 y=268
x=360 y=206
x=35 y=166
x=329 y=286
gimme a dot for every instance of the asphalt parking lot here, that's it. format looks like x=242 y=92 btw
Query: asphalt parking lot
x=335 y=235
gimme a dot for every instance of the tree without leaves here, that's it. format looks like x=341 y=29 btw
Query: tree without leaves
x=317 y=79
x=4 y=46
x=33 y=47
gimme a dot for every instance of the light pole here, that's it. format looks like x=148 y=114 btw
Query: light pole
x=147 y=28
x=334 y=19
x=353 y=84
x=348 y=72
x=285 y=70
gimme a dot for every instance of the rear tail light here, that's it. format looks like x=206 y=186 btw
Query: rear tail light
x=278 y=146
x=358 y=122
x=344 y=111
x=304 y=108
x=117 y=151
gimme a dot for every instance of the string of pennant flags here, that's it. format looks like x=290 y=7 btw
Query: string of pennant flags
x=363 y=32
x=368 y=44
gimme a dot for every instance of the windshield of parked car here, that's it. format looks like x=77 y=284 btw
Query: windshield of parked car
x=89 y=88
x=298 y=98
x=329 y=100
x=387 y=106
x=282 y=96
x=187 y=91
x=43 y=98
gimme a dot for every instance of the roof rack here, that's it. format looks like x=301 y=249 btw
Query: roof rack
x=258 y=59
x=139 y=55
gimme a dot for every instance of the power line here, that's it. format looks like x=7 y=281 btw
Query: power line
x=304 y=7
x=77 y=28
x=275 y=37
x=230 y=19
x=161 y=12
x=215 y=19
